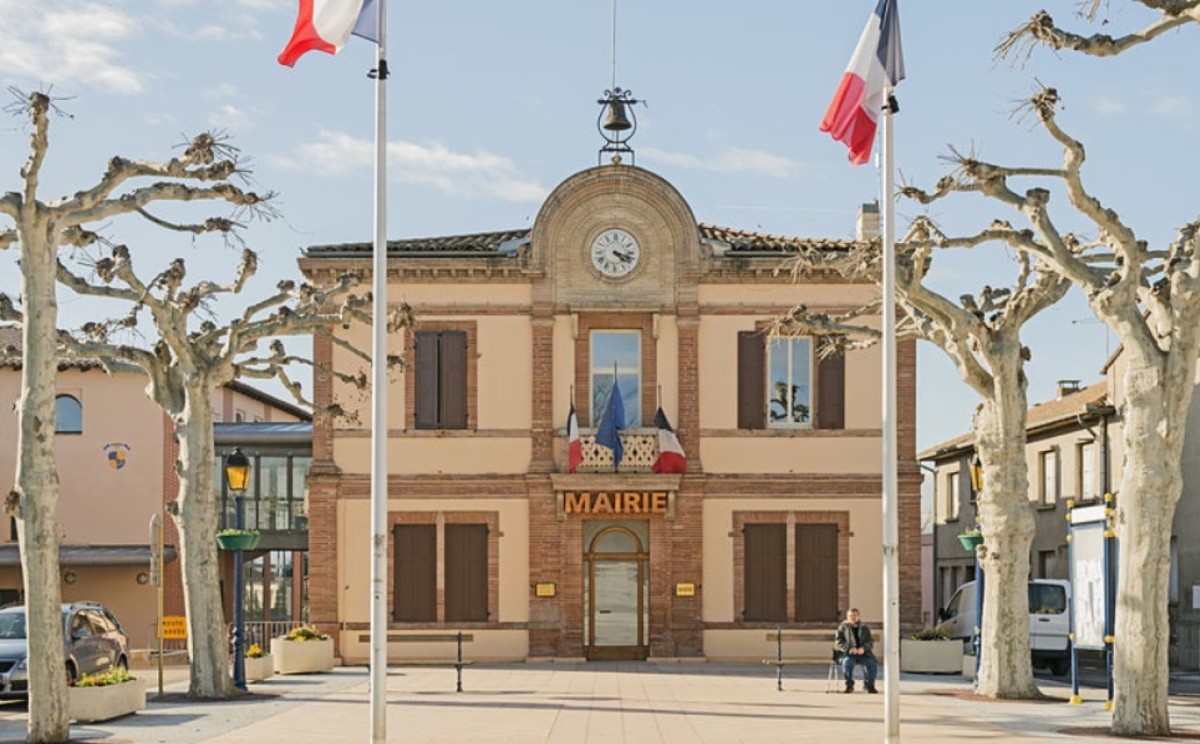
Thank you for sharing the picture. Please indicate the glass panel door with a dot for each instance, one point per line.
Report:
(616, 584)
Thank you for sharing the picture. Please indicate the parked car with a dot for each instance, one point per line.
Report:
(1049, 622)
(92, 638)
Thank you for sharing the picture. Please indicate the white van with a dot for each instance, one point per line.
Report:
(1049, 623)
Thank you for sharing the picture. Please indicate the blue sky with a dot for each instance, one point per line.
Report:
(491, 104)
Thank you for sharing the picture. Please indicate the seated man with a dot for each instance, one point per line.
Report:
(854, 641)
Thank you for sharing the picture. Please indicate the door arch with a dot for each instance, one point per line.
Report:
(615, 592)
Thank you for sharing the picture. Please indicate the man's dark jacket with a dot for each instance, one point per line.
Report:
(844, 640)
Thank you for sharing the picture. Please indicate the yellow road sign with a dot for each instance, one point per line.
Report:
(174, 627)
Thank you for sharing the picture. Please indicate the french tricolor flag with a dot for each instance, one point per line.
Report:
(326, 26)
(574, 445)
(670, 454)
(877, 62)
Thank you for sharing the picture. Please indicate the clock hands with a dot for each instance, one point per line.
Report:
(625, 257)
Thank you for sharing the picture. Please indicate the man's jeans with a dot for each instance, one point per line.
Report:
(868, 661)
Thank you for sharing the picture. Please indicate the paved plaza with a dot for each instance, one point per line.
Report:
(639, 703)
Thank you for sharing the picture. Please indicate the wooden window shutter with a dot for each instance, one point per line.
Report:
(425, 361)
(414, 595)
(752, 380)
(831, 391)
(452, 380)
(466, 572)
(765, 571)
(816, 572)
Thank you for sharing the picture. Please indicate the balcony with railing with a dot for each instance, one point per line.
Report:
(641, 450)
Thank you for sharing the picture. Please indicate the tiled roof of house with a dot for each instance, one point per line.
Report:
(1066, 408)
(504, 242)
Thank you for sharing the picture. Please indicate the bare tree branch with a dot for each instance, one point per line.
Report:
(1020, 43)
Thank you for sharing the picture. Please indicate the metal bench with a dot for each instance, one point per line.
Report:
(458, 639)
(780, 636)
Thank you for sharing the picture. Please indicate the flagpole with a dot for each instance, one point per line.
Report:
(891, 529)
(379, 421)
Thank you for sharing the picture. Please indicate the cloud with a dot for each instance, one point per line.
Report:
(74, 42)
(478, 175)
(228, 116)
(1108, 107)
(1172, 106)
(731, 160)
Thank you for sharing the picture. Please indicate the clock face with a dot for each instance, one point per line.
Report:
(615, 253)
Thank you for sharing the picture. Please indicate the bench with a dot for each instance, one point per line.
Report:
(779, 637)
(458, 639)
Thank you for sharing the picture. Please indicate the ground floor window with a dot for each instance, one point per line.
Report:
(442, 568)
(790, 566)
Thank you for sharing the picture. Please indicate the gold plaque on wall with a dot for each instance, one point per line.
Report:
(545, 590)
(685, 590)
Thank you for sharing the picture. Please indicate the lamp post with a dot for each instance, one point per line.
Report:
(976, 470)
(237, 478)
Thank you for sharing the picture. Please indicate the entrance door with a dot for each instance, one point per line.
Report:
(615, 595)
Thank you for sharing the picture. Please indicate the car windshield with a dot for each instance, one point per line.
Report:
(12, 626)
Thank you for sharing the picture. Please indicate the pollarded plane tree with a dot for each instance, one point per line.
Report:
(190, 361)
(1151, 300)
(981, 336)
(41, 230)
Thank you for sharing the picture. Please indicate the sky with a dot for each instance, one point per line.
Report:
(492, 104)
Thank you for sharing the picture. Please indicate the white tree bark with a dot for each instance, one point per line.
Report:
(37, 485)
(981, 336)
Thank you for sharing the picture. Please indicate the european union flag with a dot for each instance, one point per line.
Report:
(611, 422)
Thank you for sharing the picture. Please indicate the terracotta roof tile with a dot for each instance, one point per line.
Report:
(744, 240)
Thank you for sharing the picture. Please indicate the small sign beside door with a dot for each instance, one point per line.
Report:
(685, 590)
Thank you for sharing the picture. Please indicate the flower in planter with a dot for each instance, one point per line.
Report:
(231, 532)
(306, 633)
(114, 676)
(255, 652)
(930, 634)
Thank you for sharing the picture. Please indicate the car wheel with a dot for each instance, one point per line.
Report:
(123, 664)
(72, 675)
(1060, 667)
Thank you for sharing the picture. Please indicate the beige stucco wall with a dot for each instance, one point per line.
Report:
(98, 504)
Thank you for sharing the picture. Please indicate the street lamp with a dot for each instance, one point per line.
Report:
(237, 478)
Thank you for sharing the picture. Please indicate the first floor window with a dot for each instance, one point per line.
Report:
(1048, 465)
(68, 415)
(951, 494)
(1085, 453)
(783, 383)
(617, 357)
(440, 380)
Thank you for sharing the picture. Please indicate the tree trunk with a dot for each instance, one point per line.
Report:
(1150, 488)
(197, 521)
(37, 485)
(1007, 524)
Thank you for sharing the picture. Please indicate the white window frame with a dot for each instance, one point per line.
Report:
(1087, 485)
(952, 491)
(1048, 481)
(786, 345)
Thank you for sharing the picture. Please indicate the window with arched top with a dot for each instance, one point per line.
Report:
(68, 415)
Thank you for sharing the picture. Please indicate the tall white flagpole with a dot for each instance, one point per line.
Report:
(379, 421)
(891, 510)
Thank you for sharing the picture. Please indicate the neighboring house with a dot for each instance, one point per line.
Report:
(777, 521)
(1069, 449)
(115, 453)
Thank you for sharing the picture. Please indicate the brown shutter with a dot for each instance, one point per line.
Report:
(765, 570)
(466, 572)
(752, 380)
(452, 380)
(831, 391)
(425, 413)
(816, 572)
(414, 596)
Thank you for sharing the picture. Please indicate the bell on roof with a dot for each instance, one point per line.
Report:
(617, 122)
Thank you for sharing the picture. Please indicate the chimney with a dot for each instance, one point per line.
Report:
(1067, 387)
(868, 222)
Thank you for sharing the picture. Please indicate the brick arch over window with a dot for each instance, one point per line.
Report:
(797, 604)
(643, 322)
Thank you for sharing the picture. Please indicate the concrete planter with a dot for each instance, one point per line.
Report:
(302, 657)
(259, 669)
(968, 666)
(931, 657)
(91, 704)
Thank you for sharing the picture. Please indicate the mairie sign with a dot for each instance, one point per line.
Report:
(616, 502)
